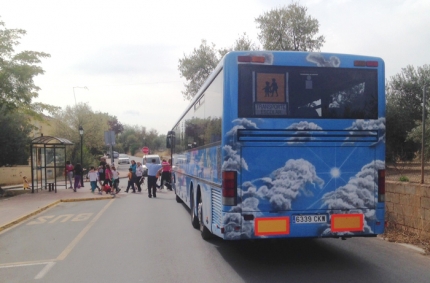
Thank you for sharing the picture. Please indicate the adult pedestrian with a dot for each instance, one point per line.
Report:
(166, 175)
(133, 167)
(69, 173)
(152, 179)
(78, 174)
(138, 176)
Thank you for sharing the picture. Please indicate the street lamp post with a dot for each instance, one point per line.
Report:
(423, 135)
(81, 132)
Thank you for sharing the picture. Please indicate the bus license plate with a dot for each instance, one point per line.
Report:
(310, 218)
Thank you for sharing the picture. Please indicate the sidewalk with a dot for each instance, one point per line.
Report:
(19, 208)
(16, 209)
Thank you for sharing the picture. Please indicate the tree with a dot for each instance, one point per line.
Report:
(14, 138)
(115, 125)
(196, 67)
(289, 28)
(17, 71)
(243, 43)
(404, 112)
(94, 125)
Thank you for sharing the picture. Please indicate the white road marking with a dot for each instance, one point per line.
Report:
(44, 270)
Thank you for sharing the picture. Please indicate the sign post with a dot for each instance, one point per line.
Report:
(110, 141)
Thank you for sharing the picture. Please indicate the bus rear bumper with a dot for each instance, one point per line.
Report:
(317, 225)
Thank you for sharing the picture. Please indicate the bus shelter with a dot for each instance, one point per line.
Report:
(48, 161)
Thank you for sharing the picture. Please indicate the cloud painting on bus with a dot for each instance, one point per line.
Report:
(328, 182)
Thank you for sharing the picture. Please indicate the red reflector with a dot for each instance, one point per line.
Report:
(243, 58)
(372, 63)
(359, 63)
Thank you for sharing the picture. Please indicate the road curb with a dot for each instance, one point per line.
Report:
(25, 217)
(37, 211)
(85, 199)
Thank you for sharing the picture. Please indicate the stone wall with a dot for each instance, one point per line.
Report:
(408, 207)
(13, 175)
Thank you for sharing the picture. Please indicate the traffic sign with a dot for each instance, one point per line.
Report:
(145, 150)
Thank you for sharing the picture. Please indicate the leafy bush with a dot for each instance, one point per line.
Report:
(403, 179)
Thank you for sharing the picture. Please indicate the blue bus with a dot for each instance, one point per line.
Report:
(281, 144)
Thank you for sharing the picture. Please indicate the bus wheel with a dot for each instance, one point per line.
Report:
(194, 218)
(204, 231)
(178, 199)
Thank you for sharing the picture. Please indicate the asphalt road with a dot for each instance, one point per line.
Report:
(136, 239)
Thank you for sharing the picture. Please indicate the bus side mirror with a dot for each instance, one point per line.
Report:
(170, 139)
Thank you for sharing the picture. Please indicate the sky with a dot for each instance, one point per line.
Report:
(126, 53)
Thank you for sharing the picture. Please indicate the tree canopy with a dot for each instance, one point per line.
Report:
(14, 138)
(286, 28)
(196, 67)
(17, 71)
(242, 43)
(404, 112)
(289, 28)
(17, 91)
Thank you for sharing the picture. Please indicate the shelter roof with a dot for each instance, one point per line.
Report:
(50, 140)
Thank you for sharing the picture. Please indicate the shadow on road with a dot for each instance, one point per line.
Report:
(294, 260)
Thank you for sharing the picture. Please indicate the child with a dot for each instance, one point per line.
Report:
(92, 175)
(108, 176)
(106, 188)
(130, 181)
(115, 179)
(25, 183)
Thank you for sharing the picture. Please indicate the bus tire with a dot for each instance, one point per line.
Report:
(204, 231)
(194, 218)
(178, 199)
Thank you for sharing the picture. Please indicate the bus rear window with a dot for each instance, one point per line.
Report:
(307, 92)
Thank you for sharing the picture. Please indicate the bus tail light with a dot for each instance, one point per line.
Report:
(229, 187)
(361, 63)
(381, 185)
(251, 59)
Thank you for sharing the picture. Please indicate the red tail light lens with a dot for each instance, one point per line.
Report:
(372, 63)
(359, 63)
(251, 59)
(362, 63)
(381, 185)
(229, 187)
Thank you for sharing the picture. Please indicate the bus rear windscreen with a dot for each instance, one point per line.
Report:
(307, 92)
